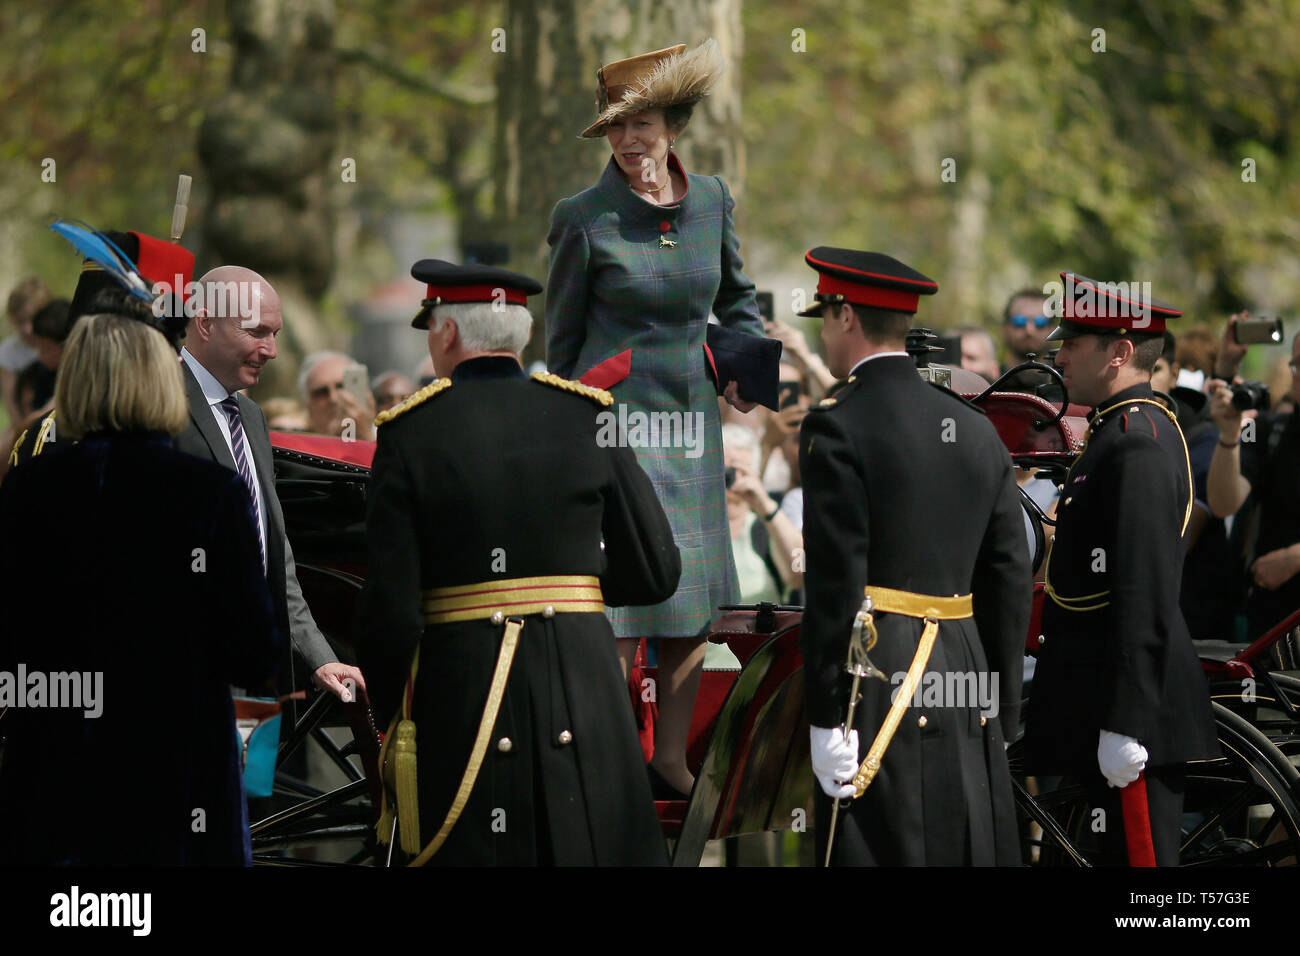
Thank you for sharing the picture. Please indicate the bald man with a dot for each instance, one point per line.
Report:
(228, 342)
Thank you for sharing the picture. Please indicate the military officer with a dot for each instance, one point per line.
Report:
(1119, 700)
(915, 539)
(500, 524)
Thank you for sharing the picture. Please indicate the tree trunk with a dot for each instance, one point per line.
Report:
(546, 87)
(267, 146)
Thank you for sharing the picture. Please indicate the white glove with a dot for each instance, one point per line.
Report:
(835, 760)
(1120, 758)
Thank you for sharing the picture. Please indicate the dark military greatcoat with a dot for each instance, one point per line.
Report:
(498, 477)
(908, 487)
(1116, 654)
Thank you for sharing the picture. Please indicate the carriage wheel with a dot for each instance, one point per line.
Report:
(1271, 703)
(1242, 809)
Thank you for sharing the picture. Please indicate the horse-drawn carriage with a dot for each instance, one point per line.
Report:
(749, 742)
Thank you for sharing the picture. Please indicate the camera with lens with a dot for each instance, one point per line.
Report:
(1250, 395)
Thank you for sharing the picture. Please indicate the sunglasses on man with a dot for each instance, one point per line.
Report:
(1020, 321)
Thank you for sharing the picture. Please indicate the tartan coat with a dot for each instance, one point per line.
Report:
(614, 286)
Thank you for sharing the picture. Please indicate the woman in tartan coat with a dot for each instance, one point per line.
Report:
(638, 262)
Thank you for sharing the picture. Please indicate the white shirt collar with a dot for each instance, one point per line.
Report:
(213, 390)
(854, 370)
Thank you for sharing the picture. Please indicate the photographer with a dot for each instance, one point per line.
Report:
(1260, 461)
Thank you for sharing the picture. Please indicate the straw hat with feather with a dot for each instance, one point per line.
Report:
(667, 77)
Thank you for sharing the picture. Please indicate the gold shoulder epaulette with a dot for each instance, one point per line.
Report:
(568, 385)
(416, 398)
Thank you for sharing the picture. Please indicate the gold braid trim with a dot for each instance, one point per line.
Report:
(13, 452)
(423, 395)
(553, 380)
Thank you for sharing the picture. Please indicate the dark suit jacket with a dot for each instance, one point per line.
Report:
(203, 439)
(109, 578)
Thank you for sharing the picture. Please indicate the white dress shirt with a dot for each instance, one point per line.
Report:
(216, 393)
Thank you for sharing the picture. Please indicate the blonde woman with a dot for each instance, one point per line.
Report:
(134, 568)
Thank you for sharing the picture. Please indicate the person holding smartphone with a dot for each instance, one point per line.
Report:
(336, 390)
(1262, 460)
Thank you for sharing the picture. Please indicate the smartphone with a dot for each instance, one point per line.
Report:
(787, 395)
(1257, 331)
(729, 476)
(356, 382)
(766, 305)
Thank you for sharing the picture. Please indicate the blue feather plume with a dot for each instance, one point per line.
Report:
(101, 250)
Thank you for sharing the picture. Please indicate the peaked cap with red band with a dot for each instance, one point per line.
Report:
(865, 278)
(1096, 308)
(450, 284)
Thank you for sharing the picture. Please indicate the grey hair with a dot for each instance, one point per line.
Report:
(310, 362)
(486, 326)
(735, 435)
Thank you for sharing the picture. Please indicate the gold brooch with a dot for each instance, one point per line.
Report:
(666, 243)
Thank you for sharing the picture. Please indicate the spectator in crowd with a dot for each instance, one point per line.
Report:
(390, 388)
(331, 409)
(763, 538)
(1025, 327)
(285, 415)
(1210, 594)
(424, 373)
(50, 327)
(103, 587)
(18, 351)
(781, 428)
(1261, 461)
(978, 353)
(795, 350)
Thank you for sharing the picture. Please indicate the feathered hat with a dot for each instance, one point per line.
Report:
(668, 77)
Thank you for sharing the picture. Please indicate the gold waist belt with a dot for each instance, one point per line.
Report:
(919, 605)
(514, 597)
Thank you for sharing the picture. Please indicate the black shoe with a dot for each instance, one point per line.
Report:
(660, 788)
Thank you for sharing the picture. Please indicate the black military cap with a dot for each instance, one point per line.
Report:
(751, 361)
(1090, 307)
(866, 278)
(450, 284)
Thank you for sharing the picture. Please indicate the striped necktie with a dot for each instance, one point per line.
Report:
(239, 447)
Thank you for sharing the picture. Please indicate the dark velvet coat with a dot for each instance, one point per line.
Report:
(124, 556)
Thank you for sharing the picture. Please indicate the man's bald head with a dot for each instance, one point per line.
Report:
(237, 292)
(232, 331)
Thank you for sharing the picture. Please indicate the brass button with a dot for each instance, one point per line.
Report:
(548, 611)
(565, 737)
(853, 378)
(921, 721)
(826, 402)
(984, 721)
(504, 745)
(1068, 500)
(1041, 640)
(497, 617)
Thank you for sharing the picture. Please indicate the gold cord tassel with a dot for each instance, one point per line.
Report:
(408, 794)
